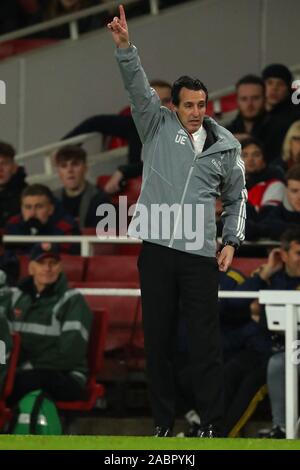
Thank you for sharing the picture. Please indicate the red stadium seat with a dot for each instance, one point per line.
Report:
(124, 319)
(95, 362)
(247, 265)
(74, 267)
(120, 269)
(5, 412)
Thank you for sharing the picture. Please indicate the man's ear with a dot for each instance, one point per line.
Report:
(31, 268)
(284, 255)
(15, 168)
(51, 209)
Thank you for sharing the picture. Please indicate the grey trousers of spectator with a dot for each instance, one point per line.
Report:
(276, 387)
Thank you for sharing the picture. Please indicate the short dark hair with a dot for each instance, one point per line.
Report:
(160, 83)
(290, 235)
(253, 141)
(250, 80)
(7, 150)
(293, 173)
(70, 152)
(187, 82)
(38, 190)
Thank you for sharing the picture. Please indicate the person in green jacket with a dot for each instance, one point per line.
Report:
(54, 322)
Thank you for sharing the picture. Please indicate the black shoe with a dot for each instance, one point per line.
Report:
(162, 431)
(275, 433)
(208, 431)
(193, 431)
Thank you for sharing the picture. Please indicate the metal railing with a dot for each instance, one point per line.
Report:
(47, 152)
(72, 19)
(86, 241)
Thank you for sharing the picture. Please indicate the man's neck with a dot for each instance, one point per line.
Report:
(289, 272)
(39, 287)
(73, 192)
(248, 124)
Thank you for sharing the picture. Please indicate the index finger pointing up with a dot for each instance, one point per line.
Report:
(122, 15)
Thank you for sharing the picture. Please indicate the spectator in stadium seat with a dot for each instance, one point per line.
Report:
(54, 323)
(12, 183)
(284, 215)
(281, 112)
(291, 147)
(124, 127)
(264, 184)
(250, 91)
(40, 215)
(79, 198)
(281, 272)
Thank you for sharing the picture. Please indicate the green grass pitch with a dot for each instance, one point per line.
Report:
(140, 443)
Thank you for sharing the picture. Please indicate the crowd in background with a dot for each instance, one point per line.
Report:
(267, 124)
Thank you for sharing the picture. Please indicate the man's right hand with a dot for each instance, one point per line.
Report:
(119, 29)
(273, 265)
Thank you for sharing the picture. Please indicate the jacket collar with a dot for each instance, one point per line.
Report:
(219, 138)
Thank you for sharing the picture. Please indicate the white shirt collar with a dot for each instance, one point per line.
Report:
(200, 133)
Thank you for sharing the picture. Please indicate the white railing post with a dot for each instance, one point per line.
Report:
(48, 165)
(73, 28)
(21, 105)
(2, 92)
(291, 373)
(154, 9)
(282, 315)
(85, 247)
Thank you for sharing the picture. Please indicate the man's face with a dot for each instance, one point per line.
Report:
(164, 94)
(293, 194)
(295, 148)
(191, 108)
(253, 159)
(38, 207)
(45, 272)
(291, 258)
(276, 91)
(7, 169)
(72, 174)
(251, 100)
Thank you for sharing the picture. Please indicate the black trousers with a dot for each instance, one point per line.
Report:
(173, 280)
(58, 385)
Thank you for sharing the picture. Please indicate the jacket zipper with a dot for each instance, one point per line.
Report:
(184, 191)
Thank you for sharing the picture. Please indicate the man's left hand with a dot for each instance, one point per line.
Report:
(225, 257)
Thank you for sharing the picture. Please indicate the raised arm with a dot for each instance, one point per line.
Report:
(145, 103)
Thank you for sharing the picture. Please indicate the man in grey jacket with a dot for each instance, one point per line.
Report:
(189, 160)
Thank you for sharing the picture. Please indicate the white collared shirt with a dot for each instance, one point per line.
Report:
(199, 138)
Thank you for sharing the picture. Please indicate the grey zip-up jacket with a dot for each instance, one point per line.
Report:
(176, 207)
